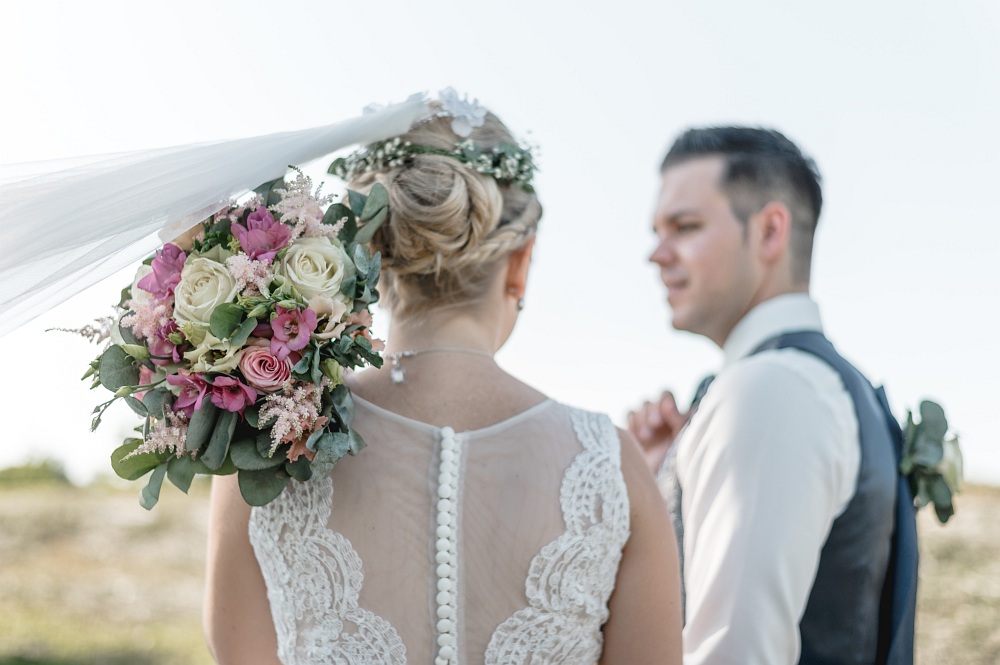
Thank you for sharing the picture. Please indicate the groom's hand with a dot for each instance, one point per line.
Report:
(655, 425)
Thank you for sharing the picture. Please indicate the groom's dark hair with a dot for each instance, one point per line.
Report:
(761, 165)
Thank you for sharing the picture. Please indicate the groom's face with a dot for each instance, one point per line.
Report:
(702, 251)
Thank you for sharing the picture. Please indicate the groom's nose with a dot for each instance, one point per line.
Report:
(663, 254)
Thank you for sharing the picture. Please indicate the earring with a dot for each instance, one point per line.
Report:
(520, 304)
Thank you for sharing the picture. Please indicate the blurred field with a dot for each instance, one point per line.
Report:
(89, 577)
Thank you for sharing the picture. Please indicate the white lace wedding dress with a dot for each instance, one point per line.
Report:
(499, 545)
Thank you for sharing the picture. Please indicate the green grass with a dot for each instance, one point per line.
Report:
(87, 577)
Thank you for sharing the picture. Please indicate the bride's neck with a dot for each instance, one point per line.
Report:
(465, 330)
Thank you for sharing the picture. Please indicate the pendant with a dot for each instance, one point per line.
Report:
(396, 373)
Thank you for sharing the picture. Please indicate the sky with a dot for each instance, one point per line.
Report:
(898, 102)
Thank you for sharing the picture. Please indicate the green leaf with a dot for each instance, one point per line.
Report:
(343, 403)
(151, 492)
(137, 466)
(227, 468)
(157, 402)
(226, 319)
(201, 426)
(180, 471)
(246, 457)
(356, 443)
(927, 449)
(126, 333)
(378, 200)
(361, 258)
(300, 469)
(243, 332)
(137, 406)
(357, 201)
(252, 416)
(222, 434)
(263, 442)
(117, 369)
(260, 487)
(932, 420)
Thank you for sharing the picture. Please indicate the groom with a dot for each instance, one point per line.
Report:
(797, 534)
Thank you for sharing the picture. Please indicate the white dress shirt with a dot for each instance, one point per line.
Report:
(768, 461)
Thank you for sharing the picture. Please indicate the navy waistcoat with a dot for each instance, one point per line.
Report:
(862, 605)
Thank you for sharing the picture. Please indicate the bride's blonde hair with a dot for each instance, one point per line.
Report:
(449, 227)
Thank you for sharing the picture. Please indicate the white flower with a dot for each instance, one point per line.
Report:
(315, 267)
(205, 284)
(466, 115)
(330, 312)
(212, 354)
(141, 295)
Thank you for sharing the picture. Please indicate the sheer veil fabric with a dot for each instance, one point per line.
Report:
(66, 225)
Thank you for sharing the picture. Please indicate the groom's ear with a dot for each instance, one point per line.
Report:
(517, 268)
(772, 228)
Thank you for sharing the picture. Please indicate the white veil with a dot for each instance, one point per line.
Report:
(66, 225)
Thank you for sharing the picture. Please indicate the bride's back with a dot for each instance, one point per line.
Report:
(501, 542)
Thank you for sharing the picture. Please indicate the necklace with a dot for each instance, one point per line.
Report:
(396, 372)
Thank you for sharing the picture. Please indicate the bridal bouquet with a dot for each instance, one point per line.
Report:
(231, 351)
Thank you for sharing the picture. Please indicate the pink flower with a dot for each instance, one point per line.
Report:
(263, 236)
(146, 377)
(229, 394)
(263, 370)
(166, 273)
(299, 445)
(291, 330)
(161, 345)
(193, 388)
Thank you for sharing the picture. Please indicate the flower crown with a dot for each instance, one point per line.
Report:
(507, 163)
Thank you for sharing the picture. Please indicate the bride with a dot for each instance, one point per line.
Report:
(484, 522)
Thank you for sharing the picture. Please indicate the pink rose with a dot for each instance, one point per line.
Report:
(263, 370)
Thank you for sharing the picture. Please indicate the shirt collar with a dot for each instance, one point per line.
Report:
(790, 312)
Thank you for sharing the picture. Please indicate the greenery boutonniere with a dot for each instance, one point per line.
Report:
(932, 460)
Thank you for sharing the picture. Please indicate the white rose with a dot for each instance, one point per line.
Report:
(205, 284)
(315, 267)
(141, 295)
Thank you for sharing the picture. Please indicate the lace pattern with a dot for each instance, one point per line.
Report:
(571, 579)
(314, 575)
(314, 578)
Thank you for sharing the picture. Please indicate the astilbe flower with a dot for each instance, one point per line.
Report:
(166, 436)
(262, 236)
(148, 317)
(303, 209)
(252, 276)
(296, 412)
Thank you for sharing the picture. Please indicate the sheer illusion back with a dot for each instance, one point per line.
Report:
(498, 545)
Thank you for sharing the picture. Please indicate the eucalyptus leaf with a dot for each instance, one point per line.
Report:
(356, 443)
(226, 319)
(136, 406)
(180, 471)
(260, 487)
(932, 420)
(246, 457)
(126, 333)
(117, 369)
(151, 492)
(357, 201)
(136, 466)
(343, 403)
(157, 402)
(377, 201)
(218, 444)
(243, 332)
(264, 443)
(300, 469)
(367, 232)
(227, 468)
(252, 415)
(927, 450)
(201, 426)
(361, 257)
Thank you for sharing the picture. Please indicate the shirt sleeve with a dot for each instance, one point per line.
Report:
(768, 462)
